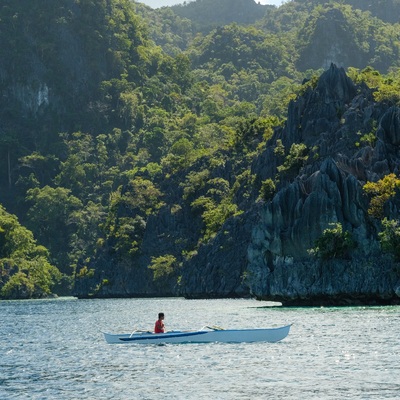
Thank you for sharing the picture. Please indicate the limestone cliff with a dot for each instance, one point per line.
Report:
(277, 235)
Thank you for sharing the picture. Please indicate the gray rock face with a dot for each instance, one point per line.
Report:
(373, 282)
(218, 270)
(279, 265)
(389, 129)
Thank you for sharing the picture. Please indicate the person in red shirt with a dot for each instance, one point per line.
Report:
(159, 326)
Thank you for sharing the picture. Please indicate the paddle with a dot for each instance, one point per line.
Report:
(139, 331)
(215, 328)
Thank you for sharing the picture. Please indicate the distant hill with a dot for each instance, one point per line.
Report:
(207, 14)
(314, 33)
(347, 37)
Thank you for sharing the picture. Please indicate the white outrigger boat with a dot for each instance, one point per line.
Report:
(207, 334)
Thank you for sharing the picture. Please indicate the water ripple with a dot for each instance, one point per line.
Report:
(54, 349)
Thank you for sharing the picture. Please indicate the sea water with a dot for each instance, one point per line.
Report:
(54, 349)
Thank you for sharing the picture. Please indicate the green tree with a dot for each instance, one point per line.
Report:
(87, 235)
(390, 237)
(268, 189)
(127, 215)
(181, 156)
(334, 243)
(216, 207)
(25, 269)
(296, 159)
(381, 192)
(163, 266)
(142, 196)
(49, 217)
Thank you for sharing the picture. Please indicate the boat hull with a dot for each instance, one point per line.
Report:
(202, 336)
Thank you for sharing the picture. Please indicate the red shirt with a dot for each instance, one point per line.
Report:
(159, 326)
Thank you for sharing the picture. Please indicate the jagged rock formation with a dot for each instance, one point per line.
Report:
(327, 190)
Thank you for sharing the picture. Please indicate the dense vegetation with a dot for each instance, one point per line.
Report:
(112, 113)
(23, 263)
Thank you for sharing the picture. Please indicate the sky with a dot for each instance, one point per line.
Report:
(162, 3)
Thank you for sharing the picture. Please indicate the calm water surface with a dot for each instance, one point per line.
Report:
(54, 349)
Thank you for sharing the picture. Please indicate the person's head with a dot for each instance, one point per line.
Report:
(161, 315)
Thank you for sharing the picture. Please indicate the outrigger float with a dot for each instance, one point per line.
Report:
(207, 334)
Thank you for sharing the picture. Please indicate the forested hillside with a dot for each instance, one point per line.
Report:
(138, 147)
(207, 14)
